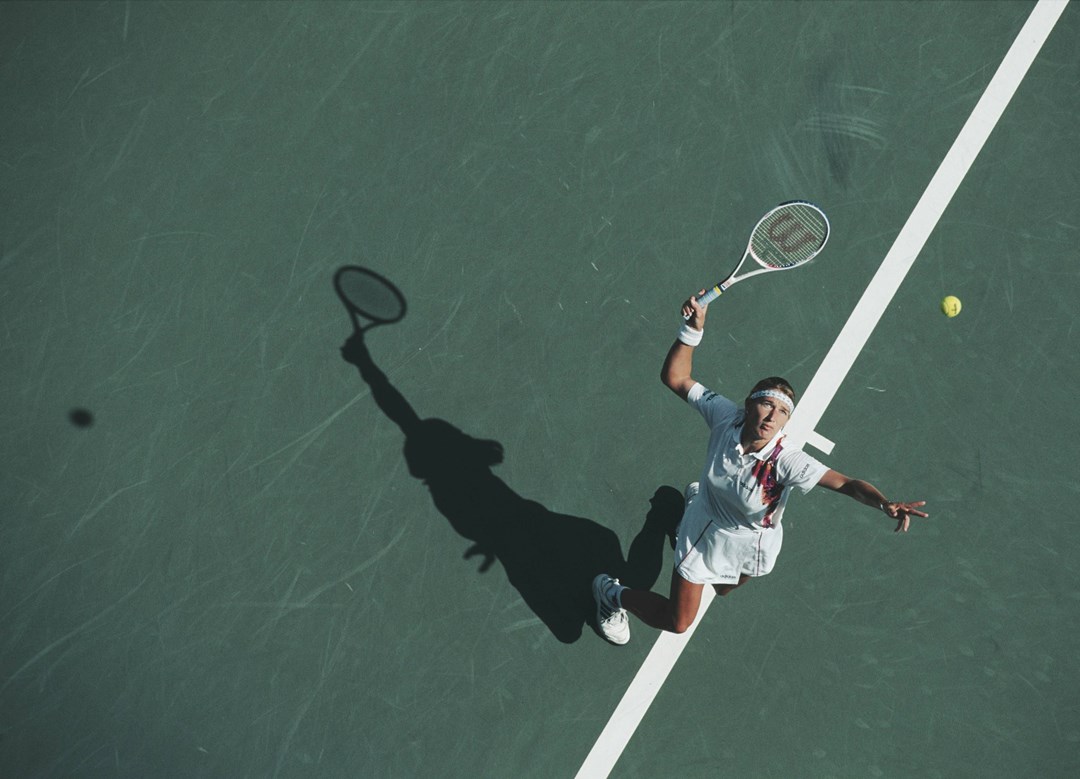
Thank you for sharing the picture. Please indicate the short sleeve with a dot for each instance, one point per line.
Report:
(795, 468)
(716, 409)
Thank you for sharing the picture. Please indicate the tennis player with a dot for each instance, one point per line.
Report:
(731, 527)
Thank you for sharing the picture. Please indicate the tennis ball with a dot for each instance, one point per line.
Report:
(950, 306)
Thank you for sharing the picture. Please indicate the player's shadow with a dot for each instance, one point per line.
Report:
(550, 558)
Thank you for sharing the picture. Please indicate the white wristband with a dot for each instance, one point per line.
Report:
(690, 336)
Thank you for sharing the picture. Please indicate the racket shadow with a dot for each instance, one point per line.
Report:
(548, 557)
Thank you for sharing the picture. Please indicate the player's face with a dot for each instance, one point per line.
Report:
(765, 417)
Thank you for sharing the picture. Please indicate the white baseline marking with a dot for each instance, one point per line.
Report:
(837, 363)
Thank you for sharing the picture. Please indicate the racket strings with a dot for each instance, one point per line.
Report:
(789, 236)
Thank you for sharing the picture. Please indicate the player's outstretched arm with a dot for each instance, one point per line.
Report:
(869, 495)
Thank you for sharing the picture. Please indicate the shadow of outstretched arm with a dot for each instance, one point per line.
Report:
(387, 397)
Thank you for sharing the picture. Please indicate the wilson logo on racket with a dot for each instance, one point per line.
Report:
(790, 236)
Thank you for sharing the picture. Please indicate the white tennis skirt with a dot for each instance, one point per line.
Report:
(706, 553)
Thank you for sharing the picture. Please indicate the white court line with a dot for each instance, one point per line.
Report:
(814, 438)
(837, 363)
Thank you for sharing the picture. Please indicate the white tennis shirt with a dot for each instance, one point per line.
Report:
(733, 525)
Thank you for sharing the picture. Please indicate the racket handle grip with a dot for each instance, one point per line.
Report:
(710, 295)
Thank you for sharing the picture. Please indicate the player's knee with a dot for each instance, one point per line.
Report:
(681, 625)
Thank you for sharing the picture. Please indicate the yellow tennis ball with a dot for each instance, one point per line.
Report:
(950, 306)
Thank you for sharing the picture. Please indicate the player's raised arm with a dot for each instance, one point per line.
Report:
(679, 361)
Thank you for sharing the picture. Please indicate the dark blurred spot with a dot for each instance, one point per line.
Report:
(80, 417)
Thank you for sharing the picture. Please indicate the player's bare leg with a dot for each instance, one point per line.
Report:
(675, 613)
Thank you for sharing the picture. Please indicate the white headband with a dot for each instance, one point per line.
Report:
(768, 393)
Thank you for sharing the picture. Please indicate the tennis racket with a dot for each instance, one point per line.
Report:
(790, 235)
(369, 298)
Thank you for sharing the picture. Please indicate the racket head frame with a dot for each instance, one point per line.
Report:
(717, 290)
(373, 316)
(822, 226)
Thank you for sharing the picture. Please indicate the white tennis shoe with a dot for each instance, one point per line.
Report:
(612, 621)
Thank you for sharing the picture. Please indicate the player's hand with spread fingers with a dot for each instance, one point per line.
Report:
(902, 513)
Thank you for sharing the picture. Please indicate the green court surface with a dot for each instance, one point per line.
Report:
(247, 557)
